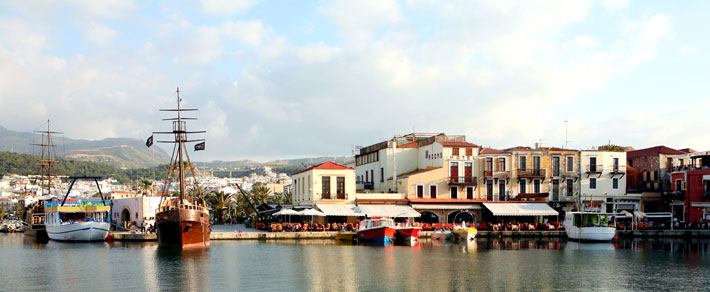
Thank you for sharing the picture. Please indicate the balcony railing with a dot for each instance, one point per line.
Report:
(365, 185)
(498, 197)
(331, 196)
(496, 174)
(673, 195)
(531, 172)
(619, 169)
(595, 168)
(533, 195)
(466, 180)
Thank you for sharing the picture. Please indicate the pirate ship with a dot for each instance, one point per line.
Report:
(182, 220)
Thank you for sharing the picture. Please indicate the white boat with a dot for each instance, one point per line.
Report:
(465, 233)
(74, 219)
(589, 226)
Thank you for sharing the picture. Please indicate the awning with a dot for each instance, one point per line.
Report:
(388, 211)
(520, 209)
(338, 209)
(700, 205)
(446, 206)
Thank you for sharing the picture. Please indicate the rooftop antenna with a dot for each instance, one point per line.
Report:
(566, 137)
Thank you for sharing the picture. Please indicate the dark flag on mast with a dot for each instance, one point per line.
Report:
(200, 146)
(149, 142)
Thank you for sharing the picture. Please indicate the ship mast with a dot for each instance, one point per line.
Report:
(46, 161)
(180, 133)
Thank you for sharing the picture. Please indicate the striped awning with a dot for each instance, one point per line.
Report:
(446, 206)
(520, 209)
(338, 209)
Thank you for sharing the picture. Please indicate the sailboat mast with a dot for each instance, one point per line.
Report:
(180, 140)
(49, 161)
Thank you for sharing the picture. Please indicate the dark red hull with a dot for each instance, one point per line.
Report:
(183, 228)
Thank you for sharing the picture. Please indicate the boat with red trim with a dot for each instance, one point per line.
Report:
(376, 230)
(407, 234)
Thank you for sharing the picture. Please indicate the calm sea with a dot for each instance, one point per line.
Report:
(486, 265)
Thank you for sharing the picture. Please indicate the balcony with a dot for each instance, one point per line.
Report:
(673, 196)
(365, 185)
(533, 196)
(496, 174)
(569, 173)
(531, 172)
(498, 197)
(618, 169)
(595, 168)
(462, 180)
(330, 196)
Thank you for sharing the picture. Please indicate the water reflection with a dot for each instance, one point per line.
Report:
(182, 270)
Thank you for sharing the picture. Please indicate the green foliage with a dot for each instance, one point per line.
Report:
(25, 164)
(610, 147)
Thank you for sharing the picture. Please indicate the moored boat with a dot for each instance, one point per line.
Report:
(464, 233)
(184, 221)
(407, 234)
(589, 226)
(441, 235)
(76, 219)
(346, 236)
(376, 230)
(34, 216)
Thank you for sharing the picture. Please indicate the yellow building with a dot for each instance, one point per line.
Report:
(529, 174)
(328, 181)
(494, 175)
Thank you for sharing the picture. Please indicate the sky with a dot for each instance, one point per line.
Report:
(289, 79)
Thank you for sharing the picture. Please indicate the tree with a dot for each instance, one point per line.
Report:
(221, 203)
(610, 147)
(145, 184)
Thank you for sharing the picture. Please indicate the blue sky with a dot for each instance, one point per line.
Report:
(283, 79)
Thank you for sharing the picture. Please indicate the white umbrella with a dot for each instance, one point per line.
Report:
(287, 212)
(311, 212)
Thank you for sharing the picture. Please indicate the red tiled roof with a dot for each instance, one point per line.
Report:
(630, 169)
(457, 144)
(492, 151)
(653, 151)
(326, 165)
(687, 150)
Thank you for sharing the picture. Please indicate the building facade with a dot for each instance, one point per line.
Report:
(602, 183)
(329, 181)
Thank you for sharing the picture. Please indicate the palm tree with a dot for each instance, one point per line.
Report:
(260, 192)
(221, 203)
(145, 184)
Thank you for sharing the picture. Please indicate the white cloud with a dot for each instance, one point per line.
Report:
(688, 48)
(226, 6)
(250, 32)
(615, 4)
(99, 34)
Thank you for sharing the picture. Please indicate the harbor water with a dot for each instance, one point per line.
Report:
(322, 265)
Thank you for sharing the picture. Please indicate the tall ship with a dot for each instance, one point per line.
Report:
(589, 226)
(182, 221)
(78, 219)
(33, 217)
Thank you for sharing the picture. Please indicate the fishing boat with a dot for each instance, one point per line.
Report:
(589, 226)
(78, 219)
(33, 217)
(376, 230)
(407, 234)
(182, 221)
(464, 233)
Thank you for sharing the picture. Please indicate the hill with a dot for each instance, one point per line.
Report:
(118, 152)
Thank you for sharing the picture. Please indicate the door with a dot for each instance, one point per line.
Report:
(555, 190)
(555, 166)
(536, 165)
(454, 192)
(469, 193)
(501, 190)
(489, 190)
(468, 172)
(432, 191)
(592, 164)
(454, 172)
(420, 191)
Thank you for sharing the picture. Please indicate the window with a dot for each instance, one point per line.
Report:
(631, 182)
(523, 187)
(536, 186)
(556, 166)
(372, 174)
(489, 190)
(489, 164)
(432, 191)
(420, 191)
(592, 164)
(593, 183)
(341, 187)
(469, 151)
(326, 187)
(455, 151)
(523, 163)
(367, 176)
(616, 164)
(382, 174)
(501, 190)
(469, 193)
(615, 183)
(454, 192)
(501, 164)
(426, 154)
(570, 163)
(570, 187)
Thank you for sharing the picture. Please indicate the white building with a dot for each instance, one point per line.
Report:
(135, 211)
(603, 182)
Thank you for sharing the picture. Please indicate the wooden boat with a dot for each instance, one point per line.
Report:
(346, 236)
(33, 221)
(182, 222)
(589, 226)
(376, 230)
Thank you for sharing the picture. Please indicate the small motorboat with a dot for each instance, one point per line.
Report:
(442, 235)
(346, 236)
(465, 233)
(407, 234)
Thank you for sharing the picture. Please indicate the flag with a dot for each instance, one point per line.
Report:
(149, 142)
(200, 146)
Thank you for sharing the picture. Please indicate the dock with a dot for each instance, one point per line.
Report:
(695, 233)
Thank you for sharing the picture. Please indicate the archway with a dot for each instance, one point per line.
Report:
(429, 217)
(125, 217)
(461, 216)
